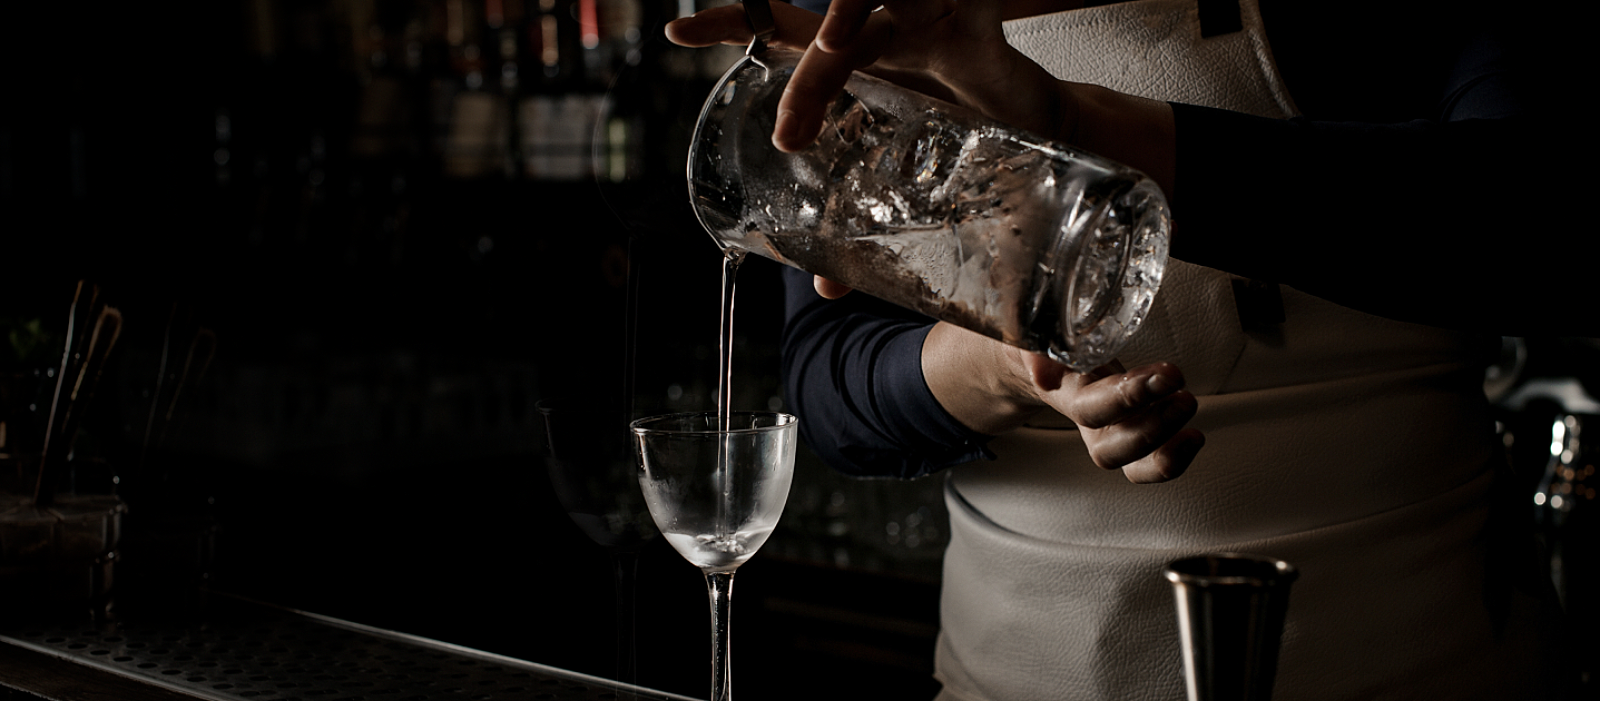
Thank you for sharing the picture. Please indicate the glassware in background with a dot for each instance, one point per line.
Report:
(56, 561)
(60, 516)
(592, 469)
(591, 466)
(716, 487)
(937, 209)
(1230, 617)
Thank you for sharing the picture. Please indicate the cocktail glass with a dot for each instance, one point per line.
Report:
(715, 487)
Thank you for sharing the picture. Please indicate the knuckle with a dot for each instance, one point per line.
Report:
(1104, 461)
(1088, 415)
(1152, 469)
(1129, 395)
(1100, 451)
(1151, 435)
(1181, 407)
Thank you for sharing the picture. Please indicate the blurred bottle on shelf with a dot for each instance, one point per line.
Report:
(544, 90)
(478, 141)
(587, 121)
(388, 62)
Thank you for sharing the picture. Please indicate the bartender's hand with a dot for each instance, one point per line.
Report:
(954, 50)
(1132, 420)
(950, 49)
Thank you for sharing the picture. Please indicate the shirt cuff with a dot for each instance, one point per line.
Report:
(926, 427)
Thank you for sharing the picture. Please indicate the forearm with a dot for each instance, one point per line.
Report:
(981, 382)
(853, 376)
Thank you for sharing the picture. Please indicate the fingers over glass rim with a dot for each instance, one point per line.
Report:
(816, 82)
(794, 27)
(843, 23)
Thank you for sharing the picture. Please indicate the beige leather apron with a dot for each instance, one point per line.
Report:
(1355, 447)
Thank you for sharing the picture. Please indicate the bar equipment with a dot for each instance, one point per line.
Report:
(1231, 608)
(59, 530)
(59, 560)
(935, 208)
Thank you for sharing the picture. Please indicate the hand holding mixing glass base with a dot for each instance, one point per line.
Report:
(1133, 420)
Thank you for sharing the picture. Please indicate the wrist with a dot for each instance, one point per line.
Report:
(979, 381)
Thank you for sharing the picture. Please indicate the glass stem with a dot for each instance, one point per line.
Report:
(720, 585)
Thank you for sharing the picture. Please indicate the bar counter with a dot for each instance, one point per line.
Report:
(244, 650)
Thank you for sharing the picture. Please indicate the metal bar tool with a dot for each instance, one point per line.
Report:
(1230, 616)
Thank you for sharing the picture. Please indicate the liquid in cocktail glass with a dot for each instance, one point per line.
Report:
(716, 494)
(716, 483)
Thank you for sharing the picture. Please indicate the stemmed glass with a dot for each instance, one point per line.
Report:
(590, 465)
(715, 487)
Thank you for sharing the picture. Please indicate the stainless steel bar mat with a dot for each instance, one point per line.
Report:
(249, 651)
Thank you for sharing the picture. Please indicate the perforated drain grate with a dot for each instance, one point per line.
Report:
(263, 653)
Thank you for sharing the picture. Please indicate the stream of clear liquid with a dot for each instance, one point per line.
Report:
(731, 259)
(730, 269)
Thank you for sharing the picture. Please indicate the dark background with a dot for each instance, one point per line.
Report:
(364, 442)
